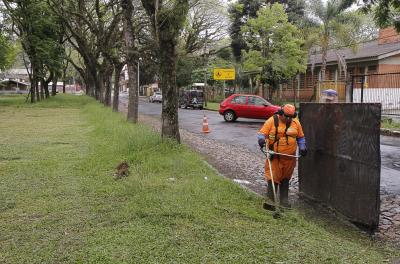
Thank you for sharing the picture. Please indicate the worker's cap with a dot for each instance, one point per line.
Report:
(330, 92)
(289, 110)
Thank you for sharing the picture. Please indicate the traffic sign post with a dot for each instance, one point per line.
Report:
(224, 74)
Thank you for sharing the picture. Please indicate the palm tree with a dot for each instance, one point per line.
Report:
(333, 26)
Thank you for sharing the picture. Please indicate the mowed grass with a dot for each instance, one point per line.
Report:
(59, 201)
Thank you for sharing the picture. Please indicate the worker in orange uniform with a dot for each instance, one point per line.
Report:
(282, 133)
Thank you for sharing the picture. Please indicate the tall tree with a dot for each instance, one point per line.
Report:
(207, 22)
(91, 26)
(242, 10)
(167, 18)
(275, 46)
(7, 51)
(334, 26)
(131, 58)
(386, 12)
(39, 31)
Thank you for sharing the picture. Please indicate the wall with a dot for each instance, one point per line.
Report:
(388, 35)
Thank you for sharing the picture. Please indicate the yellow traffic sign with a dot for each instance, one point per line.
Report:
(224, 74)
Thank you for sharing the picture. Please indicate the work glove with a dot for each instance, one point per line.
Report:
(271, 156)
(261, 140)
(303, 152)
(301, 142)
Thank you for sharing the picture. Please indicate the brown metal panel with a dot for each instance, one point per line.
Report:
(342, 168)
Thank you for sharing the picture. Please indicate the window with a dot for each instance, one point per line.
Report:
(361, 73)
(196, 94)
(257, 101)
(239, 100)
(372, 69)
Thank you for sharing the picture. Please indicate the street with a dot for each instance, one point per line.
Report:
(243, 132)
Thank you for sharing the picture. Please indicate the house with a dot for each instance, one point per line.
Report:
(20, 75)
(148, 90)
(379, 56)
(14, 86)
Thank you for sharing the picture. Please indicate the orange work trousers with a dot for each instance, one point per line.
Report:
(282, 168)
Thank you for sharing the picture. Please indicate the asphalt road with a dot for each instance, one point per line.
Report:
(244, 132)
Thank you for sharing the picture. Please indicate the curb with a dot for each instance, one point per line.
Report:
(208, 109)
(390, 133)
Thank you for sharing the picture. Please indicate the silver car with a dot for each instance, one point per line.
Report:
(156, 97)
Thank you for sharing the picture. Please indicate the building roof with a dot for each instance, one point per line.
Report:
(17, 71)
(370, 50)
(5, 81)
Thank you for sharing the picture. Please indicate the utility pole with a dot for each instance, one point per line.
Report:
(205, 69)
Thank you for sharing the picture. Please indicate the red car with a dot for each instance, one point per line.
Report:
(247, 106)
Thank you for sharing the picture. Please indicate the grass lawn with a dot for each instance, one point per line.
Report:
(212, 106)
(59, 202)
(390, 124)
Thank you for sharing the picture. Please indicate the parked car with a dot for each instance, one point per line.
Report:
(156, 97)
(191, 98)
(246, 106)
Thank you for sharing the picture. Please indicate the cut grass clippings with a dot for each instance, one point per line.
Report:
(59, 201)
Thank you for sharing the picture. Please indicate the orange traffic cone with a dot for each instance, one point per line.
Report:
(205, 125)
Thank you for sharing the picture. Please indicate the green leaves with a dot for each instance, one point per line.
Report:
(7, 52)
(40, 31)
(386, 12)
(275, 45)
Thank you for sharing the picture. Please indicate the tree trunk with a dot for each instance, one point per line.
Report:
(54, 87)
(43, 90)
(133, 102)
(33, 87)
(325, 47)
(117, 72)
(100, 87)
(37, 90)
(323, 65)
(89, 83)
(261, 89)
(45, 86)
(107, 84)
(323, 71)
(168, 56)
(166, 32)
(64, 79)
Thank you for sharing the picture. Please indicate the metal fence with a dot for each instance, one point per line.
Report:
(381, 88)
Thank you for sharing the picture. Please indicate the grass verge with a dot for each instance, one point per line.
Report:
(212, 106)
(390, 124)
(59, 202)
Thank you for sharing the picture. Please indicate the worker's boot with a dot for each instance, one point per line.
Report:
(284, 193)
(270, 202)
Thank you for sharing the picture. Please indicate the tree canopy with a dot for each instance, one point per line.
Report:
(274, 45)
